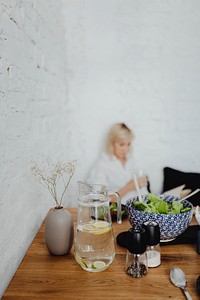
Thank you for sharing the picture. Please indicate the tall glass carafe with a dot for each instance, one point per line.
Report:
(94, 242)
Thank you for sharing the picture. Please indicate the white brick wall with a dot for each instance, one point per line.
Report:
(32, 119)
(132, 61)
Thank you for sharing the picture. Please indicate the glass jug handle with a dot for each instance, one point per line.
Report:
(119, 212)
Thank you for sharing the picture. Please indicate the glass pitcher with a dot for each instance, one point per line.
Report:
(94, 243)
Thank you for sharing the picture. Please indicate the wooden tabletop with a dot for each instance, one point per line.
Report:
(43, 276)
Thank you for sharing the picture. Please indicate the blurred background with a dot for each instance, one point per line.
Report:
(69, 69)
(135, 62)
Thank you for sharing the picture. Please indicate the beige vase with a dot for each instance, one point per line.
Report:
(59, 231)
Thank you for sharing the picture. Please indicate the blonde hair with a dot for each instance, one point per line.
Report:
(119, 132)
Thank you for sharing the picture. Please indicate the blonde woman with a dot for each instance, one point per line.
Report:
(116, 166)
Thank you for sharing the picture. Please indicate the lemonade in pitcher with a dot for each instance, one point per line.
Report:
(94, 243)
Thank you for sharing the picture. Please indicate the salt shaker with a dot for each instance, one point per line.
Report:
(136, 258)
(153, 243)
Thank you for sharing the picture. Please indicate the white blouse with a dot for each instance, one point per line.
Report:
(111, 172)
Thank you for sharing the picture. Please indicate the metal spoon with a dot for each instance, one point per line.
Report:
(178, 278)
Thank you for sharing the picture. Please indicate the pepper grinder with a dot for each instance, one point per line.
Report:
(153, 243)
(136, 258)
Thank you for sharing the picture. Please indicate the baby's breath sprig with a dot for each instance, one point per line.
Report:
(52, 175)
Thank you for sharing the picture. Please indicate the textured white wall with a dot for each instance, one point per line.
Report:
(32, 119)
(138, 62)
(131, 61)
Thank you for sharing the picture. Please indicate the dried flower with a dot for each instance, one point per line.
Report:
(51, 176)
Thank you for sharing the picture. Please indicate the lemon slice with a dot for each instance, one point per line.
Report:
(101, 231)
(98, 265)
(80, 262)
(101, 224)
(89, 227)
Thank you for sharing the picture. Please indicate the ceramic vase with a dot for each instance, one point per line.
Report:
(59, 231)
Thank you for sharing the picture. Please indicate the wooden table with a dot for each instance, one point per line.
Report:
(43, 276)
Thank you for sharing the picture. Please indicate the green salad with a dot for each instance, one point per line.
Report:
(113, 209)
(156, 205)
